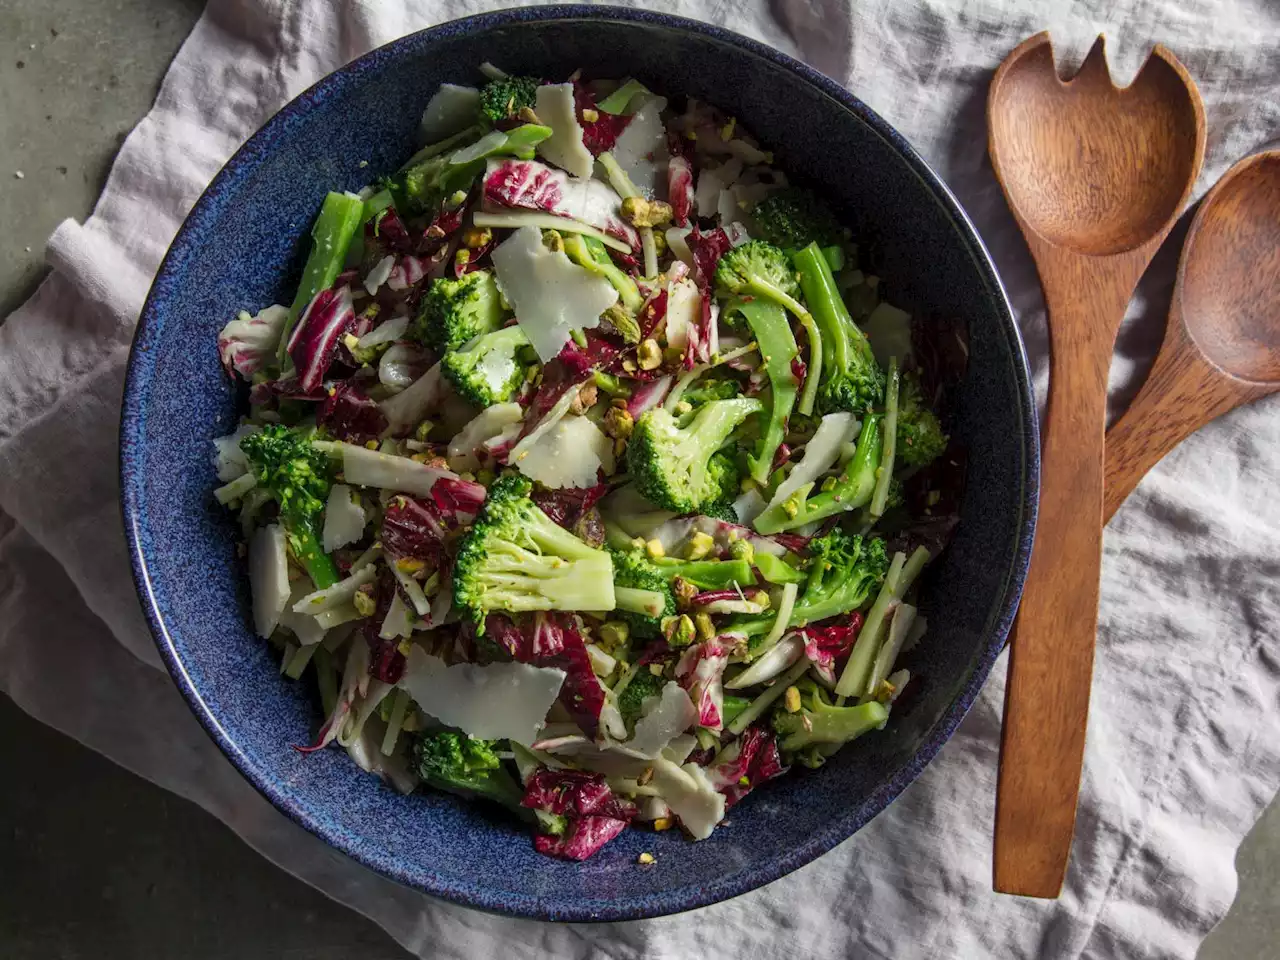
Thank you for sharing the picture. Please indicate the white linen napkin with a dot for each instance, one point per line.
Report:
(1184, 738)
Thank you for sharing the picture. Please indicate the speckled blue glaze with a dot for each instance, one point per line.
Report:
(243, 246)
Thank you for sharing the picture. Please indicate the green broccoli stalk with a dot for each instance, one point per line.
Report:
(771, 330)
(458, 764)
(852, 489)
(633, 570)
(455, 312)
(678, 468)
(340, 217)
(590, 253)
(487, 370)
(298, 477)
(759, 269)
(920, 436)
(709, 574)
(516, 558)
(504, 98)
(422, 187)
(852, 380)
(793, 217)
(844, 572)
(817, 722)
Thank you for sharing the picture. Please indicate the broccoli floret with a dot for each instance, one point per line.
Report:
(792, 217)
(298, 477)
(844, 573)
(721, 510)
(631, 568)
(704, 391)
(853, 488)
(920, 436)
(516, 558)
(590, 253)
(678, 468)
(488, 370)
(643, 685)
(817, 722)
(459, 764)
(851, 378)
(757, 268)
(501, 99)
(457, 311)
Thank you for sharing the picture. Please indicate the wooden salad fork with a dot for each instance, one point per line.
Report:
(1222, 345)
(1095, 176)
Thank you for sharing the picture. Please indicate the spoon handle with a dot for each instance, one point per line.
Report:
(1183, 393)
(1051, 661)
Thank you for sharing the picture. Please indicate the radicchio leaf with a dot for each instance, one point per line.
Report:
(680, 188)
(412, 528)
(350, 415)
(756, 760)
(701, 672)
(602, 133)
(315, 339)
(824, 645)
(593, 813)
(707, 249)
(530, 185)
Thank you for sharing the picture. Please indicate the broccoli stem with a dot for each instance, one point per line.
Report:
(837, 725)
(884, 472)
(814, 372)
(733, 707)
(305, 546)
(634, 600)
(840, 334)
(472, 133)
(776, 570)
(617, 101)
(853, 681)
(709, 574)
(762, 703)
(590, 253)
(853, 489)
(772, 332)
(340, 216)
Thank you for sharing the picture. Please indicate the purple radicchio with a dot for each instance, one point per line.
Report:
(350, 415)
(248, 344)
(530, 185)
(700, 672)
(745, 764)
(592, 814)
(315, 339)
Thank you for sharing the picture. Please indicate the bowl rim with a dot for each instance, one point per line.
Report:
(689, 897)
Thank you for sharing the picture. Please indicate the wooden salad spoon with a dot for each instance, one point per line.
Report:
(1095, 176)
(1222, 345)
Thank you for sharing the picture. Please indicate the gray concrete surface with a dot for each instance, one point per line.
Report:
(95, 862)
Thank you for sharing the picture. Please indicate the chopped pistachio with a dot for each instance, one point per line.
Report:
(640, 212)
(527, 115)
(585, 399)
(656, 668)
(552, 240)
(423, 430)
(649, 355)
(791, 700)
(618, 423)
(645, 859)
(364, 601)
(614, 633)
(706, 629)
(662, 823)
(654, 548)
(591, 116)
(476, 237)
(699, 546)
(742, 550)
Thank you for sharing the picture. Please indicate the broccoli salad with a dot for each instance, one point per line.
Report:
(587, 473)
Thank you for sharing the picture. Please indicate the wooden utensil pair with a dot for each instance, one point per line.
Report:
(1096, 177)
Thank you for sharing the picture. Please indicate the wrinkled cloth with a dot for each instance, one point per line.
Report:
(1184, 738)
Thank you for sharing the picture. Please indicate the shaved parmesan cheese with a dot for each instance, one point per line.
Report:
(228, 458)
(410, 406)
(335, 596)
(602, 663)
(684, 312)
(707, 194)
(305, 627)
(551, 294)
(388, 332)
(888, 329)
(727, 206)
(343, 518)
(666, 718)
(570, 454)
(690, 794)
(641, 149)
(398, 622)
(545, 425)
(498, 701)
(530, 185)
(377, 276)
(268, 578)
(451, 110)
(370, 468)
(555, 108)
(471, 438)
(678, 750)
(678, 243)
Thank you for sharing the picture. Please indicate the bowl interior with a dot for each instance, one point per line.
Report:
(243, 247)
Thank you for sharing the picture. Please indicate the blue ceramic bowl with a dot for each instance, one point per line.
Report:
(243, 247)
